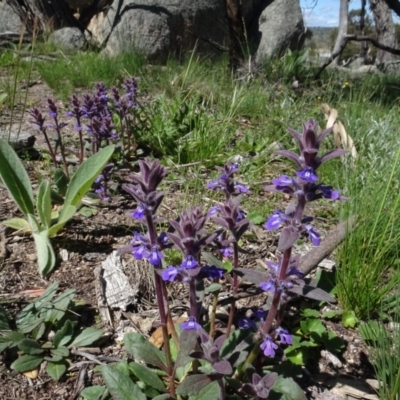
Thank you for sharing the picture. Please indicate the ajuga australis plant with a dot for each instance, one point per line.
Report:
(217, 360)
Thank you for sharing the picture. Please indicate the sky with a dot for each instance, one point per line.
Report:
(325, 12)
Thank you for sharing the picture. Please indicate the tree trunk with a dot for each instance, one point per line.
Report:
(40, 15)
(384, 29)
(343, 23)
(236, 33)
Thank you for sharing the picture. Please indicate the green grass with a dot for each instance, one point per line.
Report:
(384, 352)
(369, 257)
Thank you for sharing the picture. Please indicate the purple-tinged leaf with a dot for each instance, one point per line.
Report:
(287, 239)
(323, 135)
(251, 275)
(289, 154)
(193, 384)
(312, 292)
(221, 221)
(296, 135)
(223, 367)
(333, 154)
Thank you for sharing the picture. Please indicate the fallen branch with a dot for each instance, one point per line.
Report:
(333, 238)
(381, 46)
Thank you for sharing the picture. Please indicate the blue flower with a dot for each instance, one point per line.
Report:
(170, 274)
(189, 262)
(268, 286)
(259, 314)
(268, 347)
(284, 180)
(329, 193)
(313, 235)
(284, 335)
(275, 220)
(246, 323)
(226, 251)
(139, 251)
(155, 256)
(240, 188)
(213, 210)
(213, 272)
(307, 174)
(190, 324)
(139, 213)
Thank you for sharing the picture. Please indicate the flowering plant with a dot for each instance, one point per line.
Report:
(227, 354)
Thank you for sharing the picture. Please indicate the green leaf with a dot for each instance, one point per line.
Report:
(56, 198)
(19, 224)
(212, 260)
(16, 179)
(255, 217)
(349, 319)
(29, 346)
(87, 337)
(93, 392)
(61, 181)
(309, 312)
(30, 325)
(227, 265)
(84, 177)
(120, 385)
(286, 389)
(60, 305)
(54, 359)
(56, 369)
(43, 203)
(66, 214)
(312, 325)
(33, 223)
(297, 356)
(47, 296)
(64, 335)
(147, 376)
(211, 391)
(143, 350)
(60, 351)
(165, 396)
(4, 326)
(214, 287)
(38, 332)
(26, 363)
(45, 253)
(87, 211)
(193, 384)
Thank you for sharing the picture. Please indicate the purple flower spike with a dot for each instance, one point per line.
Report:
(214, 184)
(268, 286)
(268, 347)
(308, 175)
(313, 235)
(284, 335)
(259, 314)
(155, 256)
(169, 274)
(190, 324)
(329, 193)
(275, 220)
(189, 262)
(246, 323)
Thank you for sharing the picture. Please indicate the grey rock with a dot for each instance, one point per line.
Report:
(390, 67)
(68, 39)
(9, 20)
(281, 27)
(158, 29)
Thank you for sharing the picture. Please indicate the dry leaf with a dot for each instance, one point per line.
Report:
(157, 337)
(32, 292)
(341, 137)
(32, 374)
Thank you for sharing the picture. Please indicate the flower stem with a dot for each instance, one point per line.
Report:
(235, 287)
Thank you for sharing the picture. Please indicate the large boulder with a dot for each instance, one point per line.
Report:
(281, 27)
(9, 20)
(68, 39)
(158, 29)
